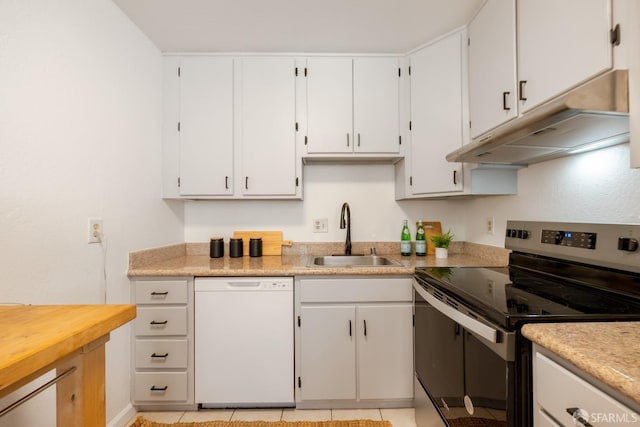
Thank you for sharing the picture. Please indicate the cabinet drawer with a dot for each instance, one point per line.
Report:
(161, 353)
(355, 290)
(164, 386)
(161, 321)
(162, 292)
(558, 389)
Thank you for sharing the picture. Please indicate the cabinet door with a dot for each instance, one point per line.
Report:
(206, 126)
(268, 116)
(329, 105)
(560, 44)
(436, 116)
(327, 352)
(492, 66)
(385, 356)
(376, 114)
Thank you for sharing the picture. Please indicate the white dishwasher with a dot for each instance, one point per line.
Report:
(244, 342)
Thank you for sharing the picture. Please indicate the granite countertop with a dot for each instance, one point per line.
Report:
(192, 259)
(608, 351)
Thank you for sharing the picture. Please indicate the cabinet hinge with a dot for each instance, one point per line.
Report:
(178, 126)
(306, 140)
(178, 182)
(400, 139)
(615, 35)
(297, 185)
(178, 71)
(298, 316)
(299, 383)
(411, 180)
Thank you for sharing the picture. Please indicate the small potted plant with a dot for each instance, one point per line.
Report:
(441, 243)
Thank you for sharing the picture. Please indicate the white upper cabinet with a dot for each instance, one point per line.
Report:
(492, 65)
(268, 127)
(560, 44)
(376, 87)
(206, 126)
(329, 105)
(352, 106)
(437, 115)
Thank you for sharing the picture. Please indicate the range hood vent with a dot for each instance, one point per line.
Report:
(591, 116)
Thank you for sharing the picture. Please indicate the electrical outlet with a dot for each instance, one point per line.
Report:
(321, 225)
(490, 225)
(95, 230)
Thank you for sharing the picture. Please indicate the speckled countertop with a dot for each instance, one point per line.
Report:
(608, 351)
(192, 259)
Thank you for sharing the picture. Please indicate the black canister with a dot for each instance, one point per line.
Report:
(235, 248)
(216, 247)
(255, 247)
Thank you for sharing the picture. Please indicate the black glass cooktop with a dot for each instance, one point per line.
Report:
(511, 296)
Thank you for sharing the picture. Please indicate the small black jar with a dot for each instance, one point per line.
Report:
(216, 247)
(255, 247)
(235, 248)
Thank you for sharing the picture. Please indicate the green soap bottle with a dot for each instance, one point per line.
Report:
(421, 243)
(405, 240)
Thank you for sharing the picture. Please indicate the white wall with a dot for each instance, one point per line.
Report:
(369, 190)
(80, 124)
(592, 187)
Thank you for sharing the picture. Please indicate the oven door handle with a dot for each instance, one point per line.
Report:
(485, 331)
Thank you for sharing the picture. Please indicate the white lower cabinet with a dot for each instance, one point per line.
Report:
(162, 360)
(564, 397)
(354, 342)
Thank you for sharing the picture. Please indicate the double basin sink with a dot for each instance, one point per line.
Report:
(345, 261)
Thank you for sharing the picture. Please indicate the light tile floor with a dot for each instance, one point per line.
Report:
(404, 417)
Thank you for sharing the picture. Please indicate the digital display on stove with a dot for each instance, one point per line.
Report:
(577, 239)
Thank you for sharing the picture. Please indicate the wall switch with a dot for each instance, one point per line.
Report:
(490, 225)
(95, 230)
(321, 225)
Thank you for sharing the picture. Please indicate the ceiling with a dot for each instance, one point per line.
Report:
(296, 26)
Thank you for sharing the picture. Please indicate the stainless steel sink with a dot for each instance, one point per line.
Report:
(353, 261)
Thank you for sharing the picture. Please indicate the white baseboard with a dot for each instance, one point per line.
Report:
(124, 417)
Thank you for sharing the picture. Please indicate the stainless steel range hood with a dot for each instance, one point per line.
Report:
(591, 116)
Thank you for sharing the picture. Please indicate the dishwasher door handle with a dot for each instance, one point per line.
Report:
(244, 285)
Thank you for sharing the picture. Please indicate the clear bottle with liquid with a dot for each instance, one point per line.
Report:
(421, 242)
(405, 240)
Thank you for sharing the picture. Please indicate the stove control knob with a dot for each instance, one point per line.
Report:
(525, 234)
(627, 244)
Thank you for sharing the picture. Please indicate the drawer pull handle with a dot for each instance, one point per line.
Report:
(154, 388)
(577, 415)
(162, 356)
(154, 322)
(163, 294)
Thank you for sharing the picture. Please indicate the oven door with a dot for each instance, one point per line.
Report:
(465, 365)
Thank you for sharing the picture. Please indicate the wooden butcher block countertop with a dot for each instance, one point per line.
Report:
(34, 337)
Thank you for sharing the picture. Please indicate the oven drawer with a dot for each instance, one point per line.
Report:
(559, 391)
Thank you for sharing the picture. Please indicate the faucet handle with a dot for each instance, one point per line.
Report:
(373, 250)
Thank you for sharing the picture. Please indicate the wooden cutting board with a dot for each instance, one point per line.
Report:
(431, 229)
(271, 241)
